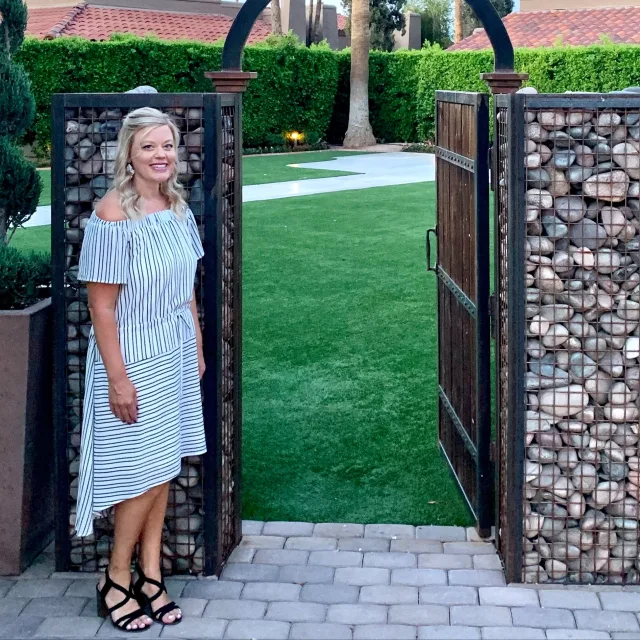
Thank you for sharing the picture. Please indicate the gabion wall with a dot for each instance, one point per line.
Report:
(88, 136)
(582, 337)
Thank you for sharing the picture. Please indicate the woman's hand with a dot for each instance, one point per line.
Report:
(123, 400)
(201, 365)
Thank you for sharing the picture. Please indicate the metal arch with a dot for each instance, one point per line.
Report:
(251, 9)
(239, 32)
(496, 32)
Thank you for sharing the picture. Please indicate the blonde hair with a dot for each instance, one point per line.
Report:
(137, 120)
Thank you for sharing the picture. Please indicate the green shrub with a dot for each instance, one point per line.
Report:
(295, 88)
(19, 181)
(308, 89)
(25, 278)
(599, 68)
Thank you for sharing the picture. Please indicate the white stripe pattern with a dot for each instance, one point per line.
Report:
(154, 259)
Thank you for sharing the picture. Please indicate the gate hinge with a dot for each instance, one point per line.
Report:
(492, 315)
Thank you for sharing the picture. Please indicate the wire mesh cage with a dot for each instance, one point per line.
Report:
(203, 514)
(568, 282)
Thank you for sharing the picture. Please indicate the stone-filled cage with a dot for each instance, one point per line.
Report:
(567, 267)
(203, 522)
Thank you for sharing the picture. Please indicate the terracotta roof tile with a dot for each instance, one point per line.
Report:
(41, 21)
(98, 23)
(342, 22)
(573, 27)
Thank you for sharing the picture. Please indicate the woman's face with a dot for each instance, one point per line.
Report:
(153, 154)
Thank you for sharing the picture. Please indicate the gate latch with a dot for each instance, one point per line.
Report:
(428, 241)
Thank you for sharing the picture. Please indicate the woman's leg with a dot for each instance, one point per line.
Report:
(130, 517)
(150, 549)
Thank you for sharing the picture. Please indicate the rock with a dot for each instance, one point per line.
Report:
(607, 122)
(85, 149)
(564, 401)
(611, 186)
(585, 477)
(193, 141)
(607, 261)
(587, 234)
(554, 227)
(577, 174)
(612, 220)
(548, 281)
(538, 178)
(534, 131)
(560, 140)
(562, 158)
(552, 120)
(539, 198)
(627, 156)
(570, 208)
(143, 89)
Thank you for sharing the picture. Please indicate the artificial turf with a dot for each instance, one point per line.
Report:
(339, 360)
(45, 194)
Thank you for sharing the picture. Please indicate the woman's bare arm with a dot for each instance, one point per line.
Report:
(102, 307)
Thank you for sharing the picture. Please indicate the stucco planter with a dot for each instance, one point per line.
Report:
(27, 504)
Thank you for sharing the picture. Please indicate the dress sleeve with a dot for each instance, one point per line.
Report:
(194, 234)
(105, 255)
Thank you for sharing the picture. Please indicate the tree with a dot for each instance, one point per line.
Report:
(385, 17)
(20, 184)
(276, 18)
(470, 22)
(458, 28)
(435, 21)
(316, 31)
(359, 132)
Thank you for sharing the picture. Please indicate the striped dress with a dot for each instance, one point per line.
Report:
(154, 259)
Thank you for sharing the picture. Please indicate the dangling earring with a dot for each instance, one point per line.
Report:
(130, 169)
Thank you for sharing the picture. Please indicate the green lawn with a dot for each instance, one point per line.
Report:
(275, 168)
(259, 169)
(45, 196)
(340, 360)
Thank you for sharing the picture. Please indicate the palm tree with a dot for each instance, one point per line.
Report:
(458, 21)
(359, 132)
(317, 36)
(276, 18)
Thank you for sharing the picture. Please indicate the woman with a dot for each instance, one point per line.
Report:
(142, 409)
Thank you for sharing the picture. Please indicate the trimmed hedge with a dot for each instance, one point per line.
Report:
(599, 68)
(308, 89)
(295, 88)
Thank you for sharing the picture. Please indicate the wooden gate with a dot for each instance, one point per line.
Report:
(462, 267)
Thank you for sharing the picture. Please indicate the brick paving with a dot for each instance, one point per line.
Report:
(297, 580)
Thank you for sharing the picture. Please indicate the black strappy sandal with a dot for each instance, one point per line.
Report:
(105, 611)
(145, 601)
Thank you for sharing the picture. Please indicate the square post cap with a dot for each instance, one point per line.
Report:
(504, 81)
(230, 81)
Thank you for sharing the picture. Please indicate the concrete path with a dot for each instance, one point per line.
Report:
(333, 581)
(375, 170)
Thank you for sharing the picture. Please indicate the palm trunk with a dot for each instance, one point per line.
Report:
(310, 24)
(457, 32)
(359, 132)
(276, 18)
(317, 36)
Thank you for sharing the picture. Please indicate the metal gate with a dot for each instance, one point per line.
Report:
(462, 268)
